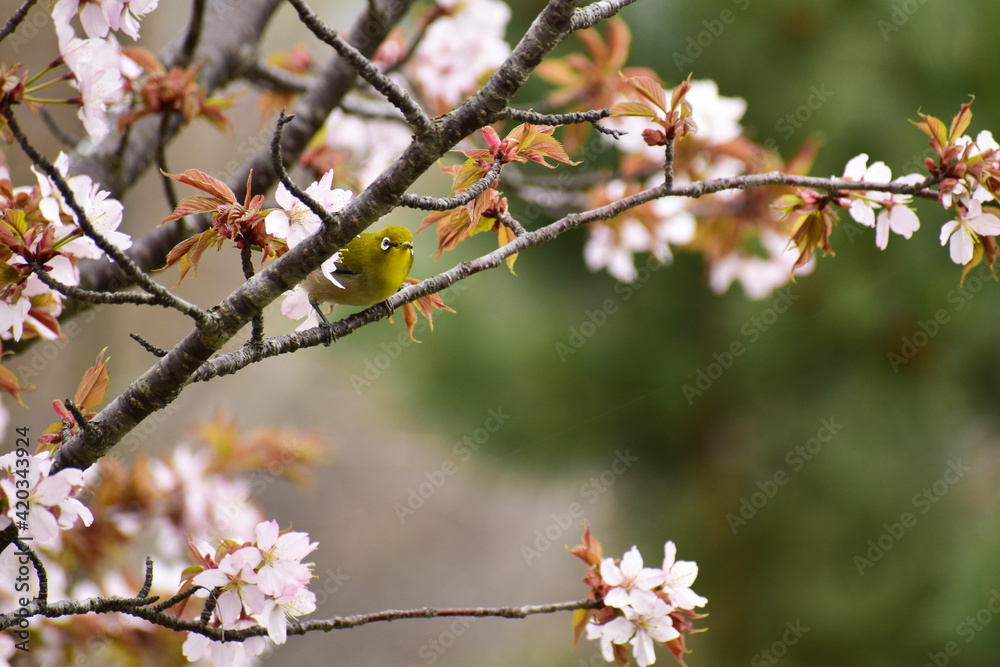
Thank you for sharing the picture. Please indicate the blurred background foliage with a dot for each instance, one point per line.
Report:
(621, 390)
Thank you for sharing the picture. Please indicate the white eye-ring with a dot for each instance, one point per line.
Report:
(386, 243)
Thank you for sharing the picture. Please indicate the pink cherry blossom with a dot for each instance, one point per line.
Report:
(281, 557)
(678, 577)
(49, 502)
(631, 581)
(965, 231)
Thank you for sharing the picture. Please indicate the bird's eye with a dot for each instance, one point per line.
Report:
(386, 243)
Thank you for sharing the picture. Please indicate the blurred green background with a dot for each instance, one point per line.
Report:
(793, 562)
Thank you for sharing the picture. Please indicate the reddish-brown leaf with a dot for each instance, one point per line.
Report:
(649, 88)
(193, 206)
(94, 385)
(209, 184)
(633, 109)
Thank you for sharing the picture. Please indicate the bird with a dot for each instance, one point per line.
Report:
(371, 268)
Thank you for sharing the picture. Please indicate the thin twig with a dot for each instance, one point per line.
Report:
(161, 160)
(576, 117)
(147, 584)
(90, 296)
(81, 419)
(274, 78)
(461, 199)
(279, 168)
(257, 324)
(510, 223)
(43, 579)
(157, 352)
(415, 116)
(66, 138)
(141, 608)
(193, 35)
(164, 296)
(668, 164)
(15, 19)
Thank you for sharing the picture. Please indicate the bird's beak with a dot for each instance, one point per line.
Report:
(405, 244)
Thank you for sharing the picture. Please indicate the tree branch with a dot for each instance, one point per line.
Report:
(415, 116)
(594, 13)
(461, 199)
(16, 18)
(562, 119)
(311, 110)
(141, 608)
(161, 294)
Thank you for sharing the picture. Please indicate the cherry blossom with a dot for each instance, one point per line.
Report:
(678, 577)
(296, 306)
(294, 221)
(91, 18)
(125, 15)
(632, 583)
(607, 247)
(965, 231)
(367, 146)
(617, 631)
(13, 314)
(50, 505)
(459, 50)
(894, 212)
(759, 275)
(96, 63)
(652, 622)
(225, 654)
(281, 557)
(104, 212)
(718, 117)
(641, 625)
(294, 602)
(236, 577)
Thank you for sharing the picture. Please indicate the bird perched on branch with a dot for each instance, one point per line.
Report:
(371, 268)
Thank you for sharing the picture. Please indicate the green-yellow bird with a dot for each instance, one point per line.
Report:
(371, 268)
